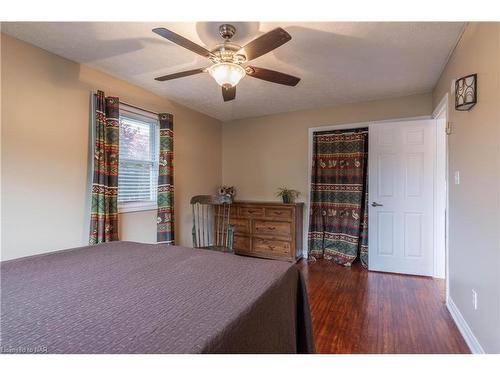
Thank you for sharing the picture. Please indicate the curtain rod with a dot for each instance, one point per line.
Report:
(363, 129)
(133, 106)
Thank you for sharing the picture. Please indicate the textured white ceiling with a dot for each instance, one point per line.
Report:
(338, 62)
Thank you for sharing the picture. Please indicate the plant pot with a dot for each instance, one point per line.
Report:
(286, 199)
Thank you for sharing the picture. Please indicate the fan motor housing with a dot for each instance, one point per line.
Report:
(228, 52)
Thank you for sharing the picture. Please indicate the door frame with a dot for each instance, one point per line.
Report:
(443, 109)
(353, 125)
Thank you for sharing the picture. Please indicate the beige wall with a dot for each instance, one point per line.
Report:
(45, 126)
(474, 205)
(264, 153)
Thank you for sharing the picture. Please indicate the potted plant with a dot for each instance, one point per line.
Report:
(288, 195)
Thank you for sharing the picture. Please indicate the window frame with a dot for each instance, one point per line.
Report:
(137, 114)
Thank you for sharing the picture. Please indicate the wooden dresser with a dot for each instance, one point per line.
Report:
(268, 229)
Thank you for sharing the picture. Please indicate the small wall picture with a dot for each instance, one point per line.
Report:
(466, 92)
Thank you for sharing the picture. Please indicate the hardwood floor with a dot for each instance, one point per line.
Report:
(356, 311)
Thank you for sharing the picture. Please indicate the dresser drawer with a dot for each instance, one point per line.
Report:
(241, 225)
(263, 245)
(241, 243)
(233, 212)
(279, 213)
(272, 228)
(251, 211)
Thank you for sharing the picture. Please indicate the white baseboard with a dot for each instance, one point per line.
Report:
(471, 340)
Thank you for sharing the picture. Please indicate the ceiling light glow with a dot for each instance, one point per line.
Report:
(227, 73)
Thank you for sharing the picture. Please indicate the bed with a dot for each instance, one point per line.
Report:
(127, 297)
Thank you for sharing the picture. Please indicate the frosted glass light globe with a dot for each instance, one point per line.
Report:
(227, 73)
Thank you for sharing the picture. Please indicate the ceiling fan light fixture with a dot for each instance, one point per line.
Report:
(227, 58)
(227, 73)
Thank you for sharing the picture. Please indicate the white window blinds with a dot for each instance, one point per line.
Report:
(138, 160)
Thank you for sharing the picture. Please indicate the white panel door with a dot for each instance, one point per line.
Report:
(401, 197)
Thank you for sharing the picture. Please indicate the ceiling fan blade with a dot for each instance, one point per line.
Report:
(272, 76)
(181, 41)
(265, 43)
(180, 74)
(228, 93)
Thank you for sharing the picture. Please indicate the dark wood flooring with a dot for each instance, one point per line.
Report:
(356, 311)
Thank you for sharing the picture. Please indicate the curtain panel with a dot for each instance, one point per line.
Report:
(338, 228)
(104, 207)
(165, 220)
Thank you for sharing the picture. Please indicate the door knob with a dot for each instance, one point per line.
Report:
(375, 204)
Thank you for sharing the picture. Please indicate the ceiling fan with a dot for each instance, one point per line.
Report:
(228, 58)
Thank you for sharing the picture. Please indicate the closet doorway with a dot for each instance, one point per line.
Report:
(402, 202)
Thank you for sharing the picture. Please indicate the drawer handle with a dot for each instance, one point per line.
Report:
(271, 247)
(271, 228)
(278, 212)
(251, 211)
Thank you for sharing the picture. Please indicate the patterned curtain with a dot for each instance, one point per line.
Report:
(165, 221)
(104, 209)
(338, 228)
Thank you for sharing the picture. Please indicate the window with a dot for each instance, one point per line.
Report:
(138, 160)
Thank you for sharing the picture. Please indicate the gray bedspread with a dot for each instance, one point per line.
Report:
(126, 297)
